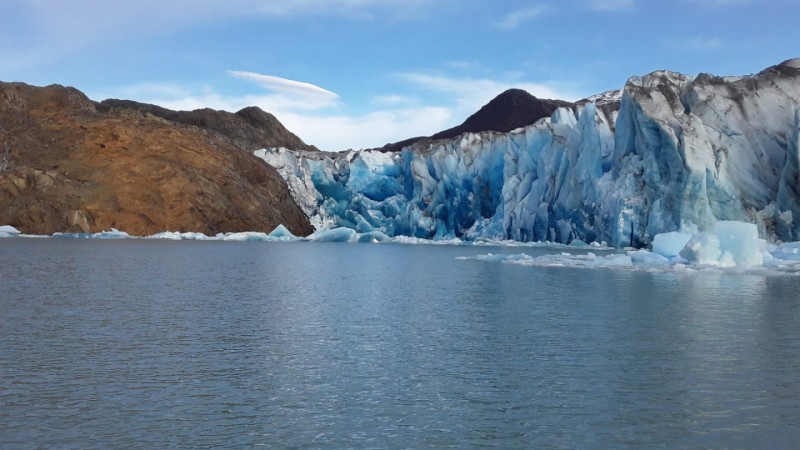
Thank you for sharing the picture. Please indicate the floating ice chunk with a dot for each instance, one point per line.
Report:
(731, 244)
(178, 236)
(374, 237)
(245, 236)
(614, 261)
(645, 258)
(562, 260)
(670, 244)
(281, 234)
(702, 248)
(166, 236)
(281, 231)
(416, 241)
(340, 234)
(8, 231)
(739, 243)
(59, 235)
(111, 234)
(518, 258)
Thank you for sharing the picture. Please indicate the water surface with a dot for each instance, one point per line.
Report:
(142, 344)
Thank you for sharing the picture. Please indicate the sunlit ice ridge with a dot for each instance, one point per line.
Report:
(667, 153)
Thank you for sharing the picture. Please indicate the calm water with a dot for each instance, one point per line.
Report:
(141, 344)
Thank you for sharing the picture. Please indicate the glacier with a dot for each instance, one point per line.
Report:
(667, 153)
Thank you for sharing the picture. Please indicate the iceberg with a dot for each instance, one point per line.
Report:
(340, 234)
(374, 237)
(245, 236)
(281, 234)
(589, 260)
(110, 234)
(179, 236)
(8, 231)
(668, 153)
(731, 246)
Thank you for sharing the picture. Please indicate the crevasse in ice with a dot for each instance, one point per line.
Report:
(679, 154)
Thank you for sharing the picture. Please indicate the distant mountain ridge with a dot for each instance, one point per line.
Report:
(249, 129)
(512, 109)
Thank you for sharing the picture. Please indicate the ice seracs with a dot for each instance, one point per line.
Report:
(679, 153)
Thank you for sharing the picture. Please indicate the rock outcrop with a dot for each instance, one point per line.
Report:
(68, 164)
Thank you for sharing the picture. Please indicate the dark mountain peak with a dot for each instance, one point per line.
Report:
(513, 96)
(257, 116)
(512, 109)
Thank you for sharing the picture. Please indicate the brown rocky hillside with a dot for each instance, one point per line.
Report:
(70, 164)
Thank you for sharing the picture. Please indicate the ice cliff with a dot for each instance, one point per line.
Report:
(669, 152)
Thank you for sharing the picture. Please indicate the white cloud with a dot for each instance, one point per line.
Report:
(315, 114)
(469, 94)
(339, 132)
(696, 44)
(516, 18)
(278, 84)
(301, 108)
(290, 94)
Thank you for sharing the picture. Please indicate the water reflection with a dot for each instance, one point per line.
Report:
(329, 345)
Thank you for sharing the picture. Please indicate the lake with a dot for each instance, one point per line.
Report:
(145, 344)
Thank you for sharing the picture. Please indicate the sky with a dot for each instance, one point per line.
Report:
(361, 73)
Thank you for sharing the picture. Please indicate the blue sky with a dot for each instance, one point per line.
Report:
(361, 73)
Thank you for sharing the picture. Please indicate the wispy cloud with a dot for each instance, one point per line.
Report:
(609, 5)
(696, 44)
(516, 18)
(316, 96)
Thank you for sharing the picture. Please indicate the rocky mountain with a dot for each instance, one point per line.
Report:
(508, 111)
(668, 152)
(250, 128)
(68, 164)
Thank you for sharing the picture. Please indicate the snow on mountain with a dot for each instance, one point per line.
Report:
(679, 154)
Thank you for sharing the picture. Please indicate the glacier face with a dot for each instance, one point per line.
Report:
(679, 154)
